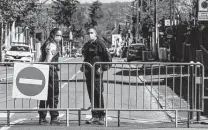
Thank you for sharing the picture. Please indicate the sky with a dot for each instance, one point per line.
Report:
(90, 1)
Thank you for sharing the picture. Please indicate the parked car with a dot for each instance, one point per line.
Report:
(19, 53)
(124, 51)
(135, 52)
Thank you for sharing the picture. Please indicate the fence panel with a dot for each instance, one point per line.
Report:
(71, 83)
(138, 85)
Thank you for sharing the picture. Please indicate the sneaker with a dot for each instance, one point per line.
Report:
(101, 121)
(42, 121)
(92, 120)
(55, 121)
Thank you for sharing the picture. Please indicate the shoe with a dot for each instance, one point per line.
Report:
(42, 121)
(101, 121)
(92, 120)
(55, 121)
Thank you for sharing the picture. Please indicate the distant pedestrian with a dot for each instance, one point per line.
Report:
(50, 52)
(93, 51)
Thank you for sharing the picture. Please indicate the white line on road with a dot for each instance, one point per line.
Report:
(30, 81)
(4, 78)
(71, 78)
(4, 115)
(67, 59)
(13, 123)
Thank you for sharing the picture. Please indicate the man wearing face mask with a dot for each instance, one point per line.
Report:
(50, 53)
(93, 51)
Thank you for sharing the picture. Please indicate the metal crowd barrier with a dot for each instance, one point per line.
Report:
(133, 86)
(136, 86)
(72, 90)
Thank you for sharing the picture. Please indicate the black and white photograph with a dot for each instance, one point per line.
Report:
(103, 64)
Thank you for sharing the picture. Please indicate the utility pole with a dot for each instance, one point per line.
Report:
(137, 20)
(171, 13)
(174, 12)
(2, 32)
(155, 29)
(141, 15)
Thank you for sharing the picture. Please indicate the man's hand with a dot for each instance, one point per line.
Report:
(81, 69)
(99, 71)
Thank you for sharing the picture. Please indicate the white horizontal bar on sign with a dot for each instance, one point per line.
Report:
(30, 81)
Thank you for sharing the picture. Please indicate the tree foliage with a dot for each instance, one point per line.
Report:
(95, 14)
(11, 9)
(64, 10)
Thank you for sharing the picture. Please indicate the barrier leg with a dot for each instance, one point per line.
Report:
(106, 120)
(119, 112)
(79, 117)
(188, 119)
(67, 117)
(176, 119)
(8, 118)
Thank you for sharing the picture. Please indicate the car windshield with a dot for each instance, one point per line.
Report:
(19, 48)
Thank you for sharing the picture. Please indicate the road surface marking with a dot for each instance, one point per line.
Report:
(30, 81)
(149, 121)
(67, 59)
(4, 115)
(13, 123)
(63, 85)
(71, 78)
(4, 78)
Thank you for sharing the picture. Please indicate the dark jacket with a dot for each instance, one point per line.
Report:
(96, 51)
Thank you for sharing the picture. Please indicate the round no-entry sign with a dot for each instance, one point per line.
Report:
(30, 81)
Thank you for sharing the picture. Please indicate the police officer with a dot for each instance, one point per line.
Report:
(50, 53)
(93, 51)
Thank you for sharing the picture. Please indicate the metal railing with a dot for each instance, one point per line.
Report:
(72, 90)
(133, 86)
(136, 86)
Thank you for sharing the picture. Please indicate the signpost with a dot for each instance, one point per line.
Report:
(30, 81)
(203, 10)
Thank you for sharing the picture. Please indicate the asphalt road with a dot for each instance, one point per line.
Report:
(121, 91)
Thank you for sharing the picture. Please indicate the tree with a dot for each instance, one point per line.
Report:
(78, 21)
(27, 17)
(95, 13)
(64, 10)
(11, 9)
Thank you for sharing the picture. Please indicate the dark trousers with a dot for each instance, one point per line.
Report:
(53, 93)
(98, 94)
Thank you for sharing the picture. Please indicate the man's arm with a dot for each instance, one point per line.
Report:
(105, 55)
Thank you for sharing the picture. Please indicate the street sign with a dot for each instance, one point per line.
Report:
(30, 81)
(203, 5)
(167, 22)
(203, 16)
(203, 10)
(169, 36)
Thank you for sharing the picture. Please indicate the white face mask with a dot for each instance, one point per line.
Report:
(92, 34)
(57, 38)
